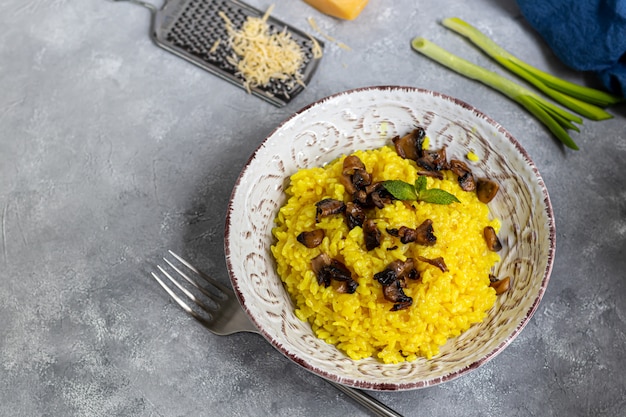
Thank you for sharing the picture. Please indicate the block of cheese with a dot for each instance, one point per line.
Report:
(343, 9)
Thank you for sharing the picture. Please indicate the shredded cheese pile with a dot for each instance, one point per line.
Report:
(261, 56)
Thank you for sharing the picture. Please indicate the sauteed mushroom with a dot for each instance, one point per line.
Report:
(466, 178)
(500, 285)
(435, 160)
(493, 243)
(410, 145)
(328, 206)
(347, 287)
(424, 233)
(404, 269)
(319, 265)
(377, 195)
(438, 262)
(392, 279)
(486, 189)
(327, 269)
(355, 215)
(433, 174)
(394, 293)
(372, 235)
(311, 239)
(407, 235)
(354, 175)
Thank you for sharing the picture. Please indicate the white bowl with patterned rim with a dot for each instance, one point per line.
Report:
(368, 118)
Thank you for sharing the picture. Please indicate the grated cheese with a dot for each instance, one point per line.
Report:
(260, 56)
(216, 45)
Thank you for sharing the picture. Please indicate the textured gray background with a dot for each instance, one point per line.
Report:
(113, 150)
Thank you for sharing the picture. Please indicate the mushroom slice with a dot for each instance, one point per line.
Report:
(319, 265)
(392, 289)
(377, 195)
(466, 178)
(407, 235)
(372, 235)
(361, 179)
(346, 181)
(493, 243)
(410, 145)
(354, 167)
(347, 287)
(355, 215)
(351, 164)
(433, 174)
(438, 262)
(360, 197)
(435, 160)
(392, 279)
(422, 235)
(354, 175)
(327, 207)
(339, 272)
(311, 239)
(327, 269)
(425, 234)
(394, 293)
(500, 285)
(404, 269)
(486, 189)
(386, 277)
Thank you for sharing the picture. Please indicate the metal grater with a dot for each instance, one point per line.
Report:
(190, 28)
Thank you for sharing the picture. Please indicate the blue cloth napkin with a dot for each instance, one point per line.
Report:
(586, 35)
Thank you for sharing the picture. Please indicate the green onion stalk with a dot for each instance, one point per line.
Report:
(557, 120)
(587, 102)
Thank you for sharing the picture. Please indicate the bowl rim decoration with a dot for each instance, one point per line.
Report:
(367, 118)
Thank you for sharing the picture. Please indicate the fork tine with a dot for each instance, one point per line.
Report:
(185, 291)
(230, 318)
(179, 301)
(214, 297)
(225, 290)
(224, 314)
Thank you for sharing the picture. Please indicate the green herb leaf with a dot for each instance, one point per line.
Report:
(404, 191)
(400, 190)
(437, 196)
(420, 184)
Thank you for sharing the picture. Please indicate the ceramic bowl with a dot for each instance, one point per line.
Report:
(368, 118)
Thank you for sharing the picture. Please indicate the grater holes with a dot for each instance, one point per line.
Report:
(199, 26)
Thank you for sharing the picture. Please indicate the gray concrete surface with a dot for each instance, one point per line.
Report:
(113, 150)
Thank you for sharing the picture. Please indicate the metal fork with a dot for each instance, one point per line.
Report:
(219, 311)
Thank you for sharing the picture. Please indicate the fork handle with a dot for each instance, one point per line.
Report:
(370, 403)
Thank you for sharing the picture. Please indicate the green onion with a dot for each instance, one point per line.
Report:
(556, 119)
(583, 100)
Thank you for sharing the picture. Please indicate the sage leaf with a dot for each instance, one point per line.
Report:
(437, 196)
(420, 184)
(400, 190)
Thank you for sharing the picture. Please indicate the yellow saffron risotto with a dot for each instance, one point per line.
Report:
(445, 304)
